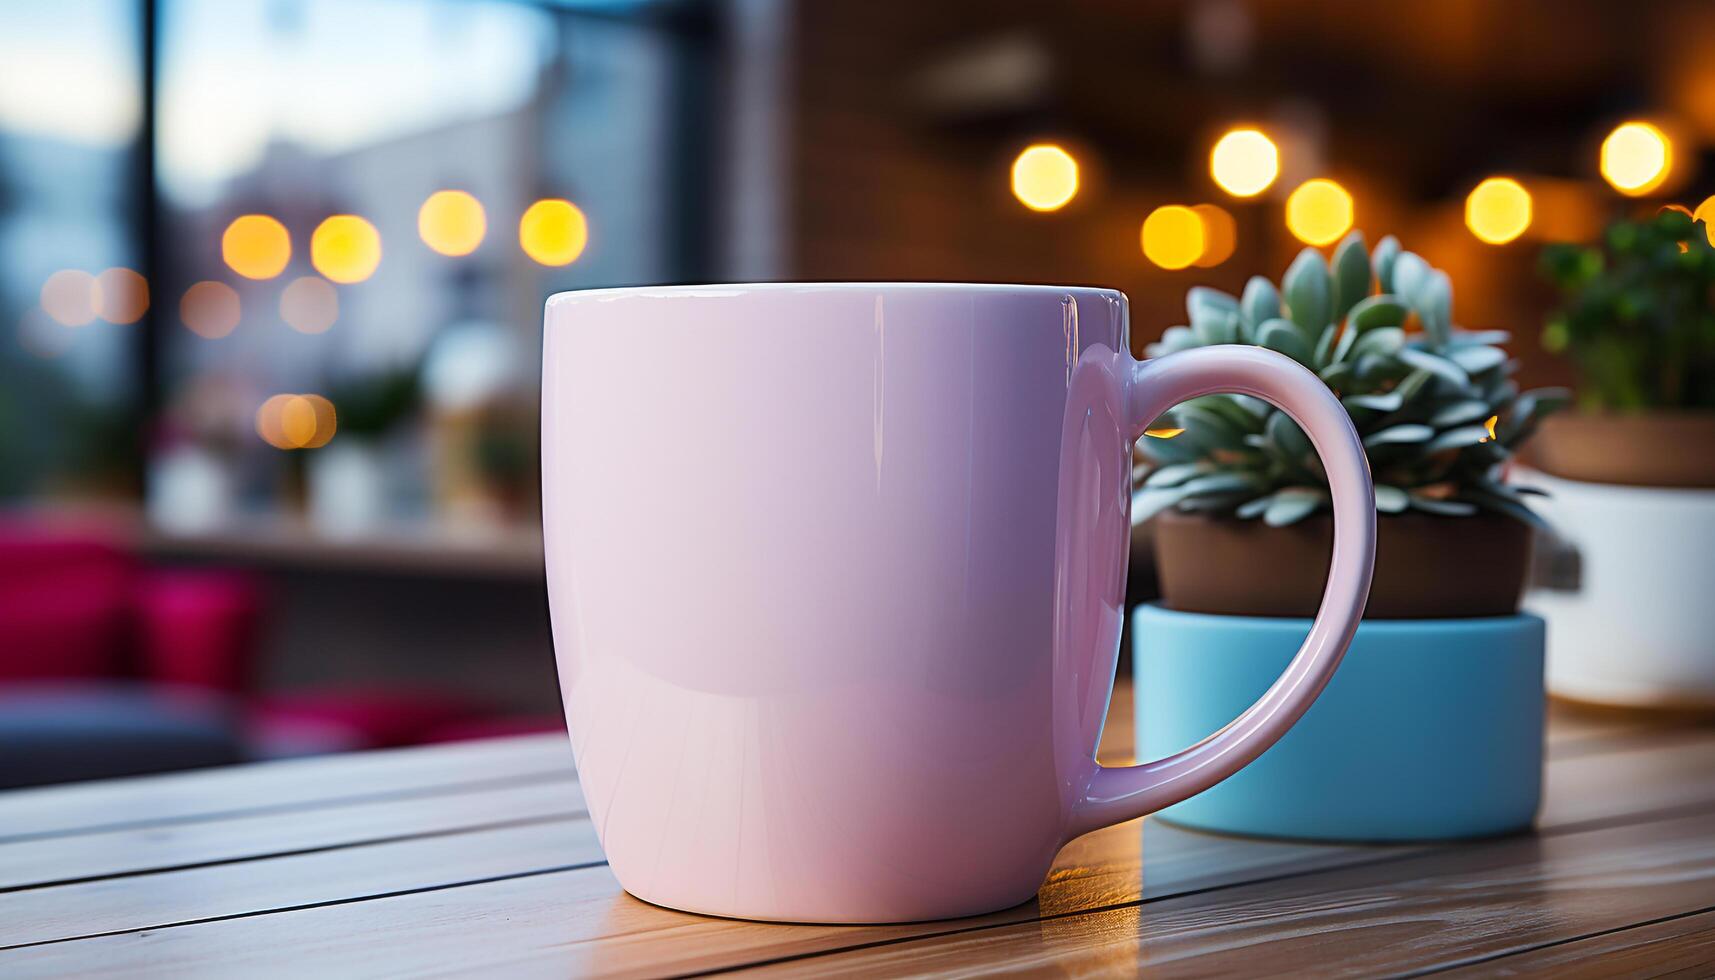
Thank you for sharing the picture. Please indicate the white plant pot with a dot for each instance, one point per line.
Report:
(1631, 607)
(190, 491)
(348, 488)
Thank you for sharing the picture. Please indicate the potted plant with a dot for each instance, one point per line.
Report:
(1633, 470)
(1444, 680)
(350, 490)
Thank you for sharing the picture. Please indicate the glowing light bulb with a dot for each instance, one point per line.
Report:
(1636, 158)
(256, 246)
(1244, 162)
(345, 248)
(1319, 212)
(1044, 177)
(553, 232)
(1498, 210)
(452, 222)
(1173, 236)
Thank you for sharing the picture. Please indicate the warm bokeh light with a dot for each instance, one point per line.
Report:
(1173, 236)
(345, 248)
(71, 297)
(1220, 235)
(256, 246)
(1636, 157)
(1706, 213)
(1319, 212)
(1044, 177)
(210, 309)
(553, 232)
(309, 304)
(1498, 210)
(452, 222)
(122, 295)
(1244, 162)
(289, 421)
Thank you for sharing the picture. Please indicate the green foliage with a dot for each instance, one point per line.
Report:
(1638, 314)
(371, 406)
(1421, 399)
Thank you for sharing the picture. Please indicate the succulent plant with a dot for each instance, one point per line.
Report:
(1639, 314)
(1436, 405)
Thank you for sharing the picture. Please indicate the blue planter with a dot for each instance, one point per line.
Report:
(1431, 729)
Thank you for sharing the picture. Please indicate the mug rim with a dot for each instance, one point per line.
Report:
(719, 290)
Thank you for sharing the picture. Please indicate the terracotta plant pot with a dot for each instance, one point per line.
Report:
(1646, 449)
(1427, 567)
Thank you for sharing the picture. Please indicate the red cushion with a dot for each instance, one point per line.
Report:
(197, 627)
(64, 602)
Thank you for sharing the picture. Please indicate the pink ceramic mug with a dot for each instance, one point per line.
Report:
(836, 575)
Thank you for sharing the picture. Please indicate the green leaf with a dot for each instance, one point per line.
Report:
(1260, 303)
(1459, 438)
(1412, 384)
(1435, 364)
(1390, 500)
(1221, 482)
(1456, 413)
(1282, 336)
(1501, 505)
(1382, 341)
(1336, 374)
(1203, 297)
(1410, 272)
(1382, 260)
(1382, 310)
(1287, 438)
(1172, 340)
(1308, 291)
(1148, 502)
(1352, 273)
(1493, 338)
(1434, 305)
(1213, 326)
(1388, 402)
(1408, 432)
(1446, 508)
(1324, 346)
(1292, 505)
(1254, 507)
(1476, 360)
(1175, 474)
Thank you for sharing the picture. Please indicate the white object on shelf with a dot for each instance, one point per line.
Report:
(348, 488)
(190, 490)
(1633, 620)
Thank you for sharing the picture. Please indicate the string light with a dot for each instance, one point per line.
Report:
(256, 246)
(553, 232)
(1244, 162)
(1044, 177)
(1498, 210)
(1319, 212)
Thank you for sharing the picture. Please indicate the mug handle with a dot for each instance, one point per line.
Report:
(1133, 393)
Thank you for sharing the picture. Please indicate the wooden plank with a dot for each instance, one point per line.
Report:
(179, 846)
(591, 923)
(207, 794)
(580, 921)
(247, 888)
(1456, 906)
(1681, 945)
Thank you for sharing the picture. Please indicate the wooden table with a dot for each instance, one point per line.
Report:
(480, 858)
